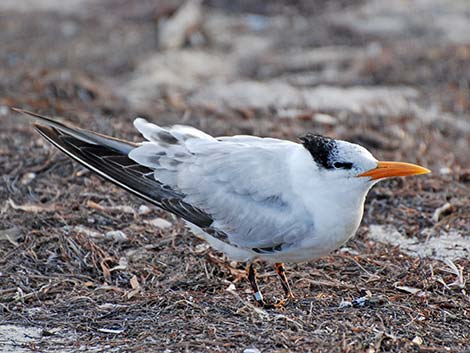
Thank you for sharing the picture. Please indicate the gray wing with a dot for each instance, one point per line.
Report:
(241, 182)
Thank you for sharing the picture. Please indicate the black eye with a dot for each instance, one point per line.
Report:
(343, 165)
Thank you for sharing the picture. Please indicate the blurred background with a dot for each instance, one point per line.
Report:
(393, 76)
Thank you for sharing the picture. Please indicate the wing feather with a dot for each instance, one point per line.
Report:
(234, 188)
(243, 183)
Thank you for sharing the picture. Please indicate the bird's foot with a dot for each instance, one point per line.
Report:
(281, 303)
(290, 296)
(257, 293)
(278, 305)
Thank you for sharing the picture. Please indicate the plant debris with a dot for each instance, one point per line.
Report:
(85, 266)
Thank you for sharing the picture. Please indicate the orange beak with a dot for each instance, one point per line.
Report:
(394, 169)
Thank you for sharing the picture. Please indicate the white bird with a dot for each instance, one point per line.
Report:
(249, 197)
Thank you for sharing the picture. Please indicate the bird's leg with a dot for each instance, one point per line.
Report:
(281, 272)
(256, 292)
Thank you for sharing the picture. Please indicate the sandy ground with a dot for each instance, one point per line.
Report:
(392, 76)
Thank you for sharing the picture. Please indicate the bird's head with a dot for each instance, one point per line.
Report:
(339, 159)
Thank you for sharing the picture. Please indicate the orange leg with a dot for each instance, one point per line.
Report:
(257, 293)
(281, 272)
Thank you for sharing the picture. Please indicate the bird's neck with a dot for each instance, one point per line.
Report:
(336, 206)
(336, 217)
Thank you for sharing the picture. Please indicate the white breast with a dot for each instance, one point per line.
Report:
(335, 207)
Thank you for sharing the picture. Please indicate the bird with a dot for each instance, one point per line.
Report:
(251, 198)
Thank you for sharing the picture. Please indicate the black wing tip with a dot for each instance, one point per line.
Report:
(26, 112)
(17, 110)
(43, 129)
(49, 134)
(42, 118)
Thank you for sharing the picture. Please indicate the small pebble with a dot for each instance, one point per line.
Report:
(231, 288)
(4, 110)
(251, 350)
(87, 231)
(28, 178)
(325, 119)
(144, 210)
(160, 223)
(445, 171)
(116, 235)
(345, 304)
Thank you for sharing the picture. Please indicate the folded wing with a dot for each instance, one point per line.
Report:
(243, 183)
(236, 189)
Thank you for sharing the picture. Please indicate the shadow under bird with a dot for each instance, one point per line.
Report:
(249, 197)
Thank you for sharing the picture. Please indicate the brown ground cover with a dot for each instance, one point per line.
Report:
(275, 70)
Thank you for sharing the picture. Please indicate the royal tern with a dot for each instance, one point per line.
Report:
(249, 197)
